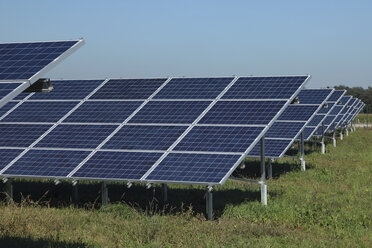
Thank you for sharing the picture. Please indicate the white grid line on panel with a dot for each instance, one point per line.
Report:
(118, 128)
(189, 128)
(52, 128)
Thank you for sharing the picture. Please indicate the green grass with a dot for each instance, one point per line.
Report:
(329, 205)
(362, 118)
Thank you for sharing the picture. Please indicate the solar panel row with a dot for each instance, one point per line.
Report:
(149, 129)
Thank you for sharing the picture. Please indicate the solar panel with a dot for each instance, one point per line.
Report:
(181, 112)
(40, 112)
(316, 125)
(274, 148)
(76, 136)
(46, 163)
(145, 137)
(117, 165)
(193, 168)
(128, 89)
(193, 88)
(243, 112)
(313, 96)
(103, 112)
(22, 64)
(6, 108)
(68, 90)
(25, 60)
(298, 112)
(264, 87)
(20, 135)
(7, 155)
(219, 139)
(292, 122)
(285, 129)
(121, 129)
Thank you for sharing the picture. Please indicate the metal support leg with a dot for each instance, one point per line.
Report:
(75, 193)
(270, 170)
(263, 174)
(334, 138)
(302, 150)
(322, 142)
(9, 190)
(209, 204)
(341, 134)
(104, 194)
(347, 132)
(164, 191)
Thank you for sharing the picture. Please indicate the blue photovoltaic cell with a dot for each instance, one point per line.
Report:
(242, 112)
(193, 88)
(40, 112)
(184, 112)
(345, 99)
(145, 137)
(76, 136)
(298, 112)
(117, 165)
(284, 129)
(316, 120)
(219, 139)
(6, 88)
(329, 119)
(103, 112)
(336, 95)
(326, 110)
(20, 135)
(264, 87)
(6, 108)
(202, 168)
(46, 163)
(128, 88)
(23, 60)
(336, 110)
(313, 96)
(7, 155)
(68, 90)
(307, 133)
(273, 148)
(22, 95)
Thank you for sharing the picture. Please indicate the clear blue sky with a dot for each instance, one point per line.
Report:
(331, 40)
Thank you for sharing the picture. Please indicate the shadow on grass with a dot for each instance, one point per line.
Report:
(180, 198)
(28, 242)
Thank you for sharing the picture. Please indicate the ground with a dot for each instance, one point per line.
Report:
(328, 205)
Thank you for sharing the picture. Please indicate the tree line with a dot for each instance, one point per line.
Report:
(359, 92)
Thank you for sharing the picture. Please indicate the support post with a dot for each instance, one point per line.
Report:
(347, 131)
(367, 116)
(104, 193)
(341, 134)
(263, 174)
(164, 191)
(209, 203)
(9, 190)
(302, 150)
(334, 138)
(270, 169)
(75, 193)
(322, 142)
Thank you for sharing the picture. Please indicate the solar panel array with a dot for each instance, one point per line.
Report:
(182, 130)
(292, 122)
(22, 64)
(314, 128)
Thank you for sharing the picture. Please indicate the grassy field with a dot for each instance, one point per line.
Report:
(329, 205)
(362, 118)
